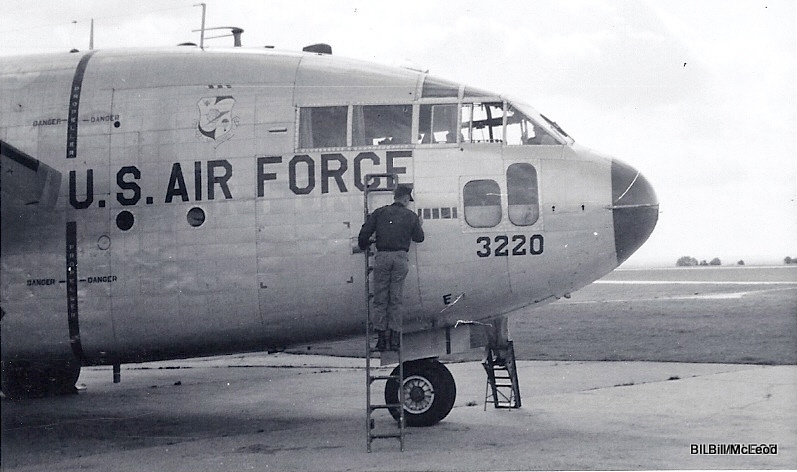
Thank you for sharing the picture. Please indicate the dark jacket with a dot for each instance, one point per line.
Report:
(395, 227)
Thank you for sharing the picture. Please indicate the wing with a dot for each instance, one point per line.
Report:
(25, 179)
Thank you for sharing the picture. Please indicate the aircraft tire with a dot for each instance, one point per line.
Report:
(430, 392)
(20, 383)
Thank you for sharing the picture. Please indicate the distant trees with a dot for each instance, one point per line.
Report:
(688, 261)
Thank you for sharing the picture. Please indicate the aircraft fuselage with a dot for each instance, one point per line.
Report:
(209, 202)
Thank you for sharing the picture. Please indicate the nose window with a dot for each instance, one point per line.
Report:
(523, 199)
(482, 200)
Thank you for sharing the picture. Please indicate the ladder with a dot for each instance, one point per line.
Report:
(372, 373)
(502, 380)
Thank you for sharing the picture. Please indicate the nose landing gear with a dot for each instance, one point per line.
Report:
(429, 392)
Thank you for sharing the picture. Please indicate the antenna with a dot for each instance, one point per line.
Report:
(235, 32)
(91, 36)
(202, 34)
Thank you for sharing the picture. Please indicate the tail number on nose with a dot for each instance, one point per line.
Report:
(510, 245)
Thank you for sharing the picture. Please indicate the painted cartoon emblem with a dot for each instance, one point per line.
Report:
(216, 122)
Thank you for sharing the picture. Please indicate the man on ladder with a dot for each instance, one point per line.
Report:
(396, 227)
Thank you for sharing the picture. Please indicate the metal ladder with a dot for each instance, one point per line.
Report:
(502, 380)
(372, 373)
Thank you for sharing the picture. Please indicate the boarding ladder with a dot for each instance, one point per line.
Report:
(502, 382)
(373, 373)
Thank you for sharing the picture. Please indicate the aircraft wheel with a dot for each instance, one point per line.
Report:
(429, 392)
(20, 383)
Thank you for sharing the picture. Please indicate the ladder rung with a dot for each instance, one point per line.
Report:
(384, 407)
(384, 377)
(385, 435)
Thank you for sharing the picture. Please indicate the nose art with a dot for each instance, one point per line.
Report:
(635, 209)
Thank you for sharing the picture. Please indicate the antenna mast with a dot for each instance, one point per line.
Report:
(91, 36)
(202, 29)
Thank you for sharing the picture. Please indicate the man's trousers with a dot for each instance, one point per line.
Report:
(390, 270)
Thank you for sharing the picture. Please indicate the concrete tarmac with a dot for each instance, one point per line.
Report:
(292, 412)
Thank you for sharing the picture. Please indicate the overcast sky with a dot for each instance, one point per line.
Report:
(698, 95)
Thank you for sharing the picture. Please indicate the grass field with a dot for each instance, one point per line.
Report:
(716, 314)
(696, 314)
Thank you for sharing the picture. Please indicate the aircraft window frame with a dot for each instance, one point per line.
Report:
(530, 132)
(522, 190)
(481, 200)
(309, 123)
(469, 117)
(546, 124)
(360, 122)
(430, 115)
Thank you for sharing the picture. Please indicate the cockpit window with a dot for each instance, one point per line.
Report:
(437, 124)
(439, 88)
(321, 127)
(483, 122)
(522, 130)
(556, 127)
(471, 92)
(381, 125)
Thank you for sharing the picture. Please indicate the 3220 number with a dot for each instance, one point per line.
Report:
(515, 245)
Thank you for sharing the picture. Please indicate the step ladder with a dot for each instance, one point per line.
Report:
(373, 373)
(502, 382)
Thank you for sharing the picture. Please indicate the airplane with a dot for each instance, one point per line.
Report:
(181, 202)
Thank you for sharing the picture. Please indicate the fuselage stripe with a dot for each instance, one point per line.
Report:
(71, 289)
(74, 106)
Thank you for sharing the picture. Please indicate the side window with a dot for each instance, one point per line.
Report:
(381, 125)
(483, 122)
(437, 124)
(321, 127)
(482, 200)
(520, 130)
(522, 194)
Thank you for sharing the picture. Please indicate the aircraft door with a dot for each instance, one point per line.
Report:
(459, 196)
(274, 212)
(525, 252)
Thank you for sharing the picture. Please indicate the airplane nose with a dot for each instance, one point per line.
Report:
(635, 209)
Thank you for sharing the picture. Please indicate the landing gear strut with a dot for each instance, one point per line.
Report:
(429, 392)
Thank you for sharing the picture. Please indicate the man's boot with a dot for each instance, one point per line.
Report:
(395, 340)
(381, 342)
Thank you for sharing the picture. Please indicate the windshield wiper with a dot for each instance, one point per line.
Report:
(556, 127)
